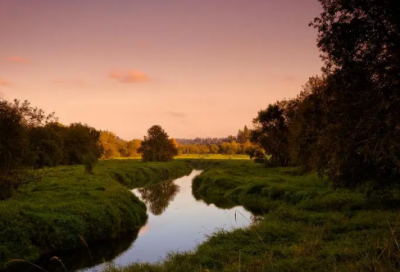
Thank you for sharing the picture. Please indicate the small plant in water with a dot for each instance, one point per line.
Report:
(89, 161)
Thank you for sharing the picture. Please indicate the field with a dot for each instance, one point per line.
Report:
(201, 156)
(305, 225)
(51, 214)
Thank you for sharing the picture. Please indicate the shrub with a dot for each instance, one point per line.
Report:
(89, 160)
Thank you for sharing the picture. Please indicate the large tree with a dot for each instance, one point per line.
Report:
(271, 132)
(360, 42)
(157, 146)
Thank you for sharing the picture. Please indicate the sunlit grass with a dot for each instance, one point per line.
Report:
(199, 156)
(213, 156)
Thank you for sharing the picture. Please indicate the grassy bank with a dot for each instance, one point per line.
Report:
(49, 215)
(306, 226)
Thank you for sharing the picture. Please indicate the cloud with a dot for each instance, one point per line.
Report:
(5, 83)
(17, 59)
(129, 76)
(70, 82)
(176, 114)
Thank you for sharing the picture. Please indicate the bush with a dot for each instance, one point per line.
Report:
(89, 160)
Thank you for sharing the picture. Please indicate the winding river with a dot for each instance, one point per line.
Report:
(177, 222)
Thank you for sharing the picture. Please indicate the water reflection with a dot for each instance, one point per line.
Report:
(158, 197)
(225, 203)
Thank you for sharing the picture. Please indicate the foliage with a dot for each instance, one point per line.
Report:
(345, 124)
(46, 147)
(271, 133)
(243, 135)
(16, 121)
(157, 146)
(359, 41)
(115, 147)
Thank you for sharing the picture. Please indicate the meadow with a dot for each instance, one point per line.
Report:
(302, 225)
(68, 208)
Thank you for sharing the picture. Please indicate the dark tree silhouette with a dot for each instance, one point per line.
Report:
(360, 42)
(156, 146)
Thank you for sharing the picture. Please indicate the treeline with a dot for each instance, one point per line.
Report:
(31, 139)
(344, 124)
(224, 148)
(115, 147)
(239, 144)
(204, 141)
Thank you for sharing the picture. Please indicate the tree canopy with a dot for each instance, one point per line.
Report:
(157, 146)
(346, 123)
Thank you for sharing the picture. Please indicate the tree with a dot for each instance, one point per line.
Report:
(16, 120)
(271, 134)
(132, 148)
(156, 146)
(243, 135)
(307, 126)
(360, 42)
(108, 141)
(46, 147)
(214, 149)
(79, 140)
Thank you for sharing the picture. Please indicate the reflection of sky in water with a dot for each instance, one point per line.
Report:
(184, 224)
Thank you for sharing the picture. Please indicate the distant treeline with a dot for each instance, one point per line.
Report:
(239, 144)
(115, 147)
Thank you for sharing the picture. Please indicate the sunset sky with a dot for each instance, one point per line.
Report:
(195, 67)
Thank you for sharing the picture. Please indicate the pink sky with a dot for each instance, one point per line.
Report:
(197, 68)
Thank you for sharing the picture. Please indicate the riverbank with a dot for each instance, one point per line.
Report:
(306, 225)
(53, 213)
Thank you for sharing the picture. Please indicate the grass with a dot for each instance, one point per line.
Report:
(201, 156)
(213, 156)
(52, 214)
(305, 224)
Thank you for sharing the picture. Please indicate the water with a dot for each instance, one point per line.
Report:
(177, 222)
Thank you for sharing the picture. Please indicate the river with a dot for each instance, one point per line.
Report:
(177, 222)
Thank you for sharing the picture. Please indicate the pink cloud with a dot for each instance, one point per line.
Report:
(129, 76)
(5, 83)
(17, 59)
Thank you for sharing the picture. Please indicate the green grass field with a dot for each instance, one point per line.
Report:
(49, 215)
(306, 225)
(201, 156)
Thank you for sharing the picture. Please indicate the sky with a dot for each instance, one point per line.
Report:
(198, 68)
